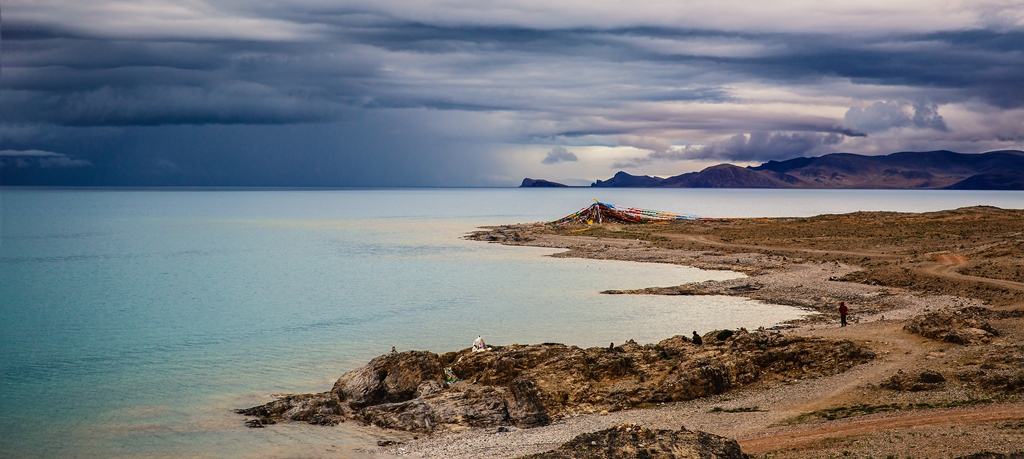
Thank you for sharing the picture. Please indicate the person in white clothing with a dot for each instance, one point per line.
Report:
(479, 345)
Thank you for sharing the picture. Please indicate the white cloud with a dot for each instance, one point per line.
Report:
(41, 158)
(884, 115)
(559, 154)
(29, 153)
(161, 19)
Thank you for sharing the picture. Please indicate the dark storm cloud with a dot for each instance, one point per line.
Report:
(351, 68)
(984, 64)
(147, 105)
(757, 146)
(509, 73)
(764, 145)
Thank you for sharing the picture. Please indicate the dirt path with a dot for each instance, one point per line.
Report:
(786, 438)
(711, 241)
(949, 271)
(944, 266)
(896, 350)
(947, 267)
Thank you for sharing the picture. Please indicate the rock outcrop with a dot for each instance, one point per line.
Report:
(962, 326)
(997, 367)
(390, 378)
(321, 409)
(632, 441)
(540, 183)
(924, 380)
(625, 180)
(532, 385)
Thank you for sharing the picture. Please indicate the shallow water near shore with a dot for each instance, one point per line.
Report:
(134, 321)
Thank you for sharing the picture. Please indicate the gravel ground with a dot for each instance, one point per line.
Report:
(876, 315)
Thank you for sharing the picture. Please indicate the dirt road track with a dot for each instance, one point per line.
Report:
(945, 265)
(949, 271)
(788, 437)
(714, 242)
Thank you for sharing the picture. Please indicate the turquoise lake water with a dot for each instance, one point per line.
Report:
(134, 321)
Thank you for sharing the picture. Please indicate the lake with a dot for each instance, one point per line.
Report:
(135, 320)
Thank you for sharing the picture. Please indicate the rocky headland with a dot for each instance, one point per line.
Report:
(540, 183)
(930, 365)
(528, 386)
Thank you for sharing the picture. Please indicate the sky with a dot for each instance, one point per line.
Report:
(484, 93)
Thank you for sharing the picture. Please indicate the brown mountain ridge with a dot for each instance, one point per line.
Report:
(995, 170)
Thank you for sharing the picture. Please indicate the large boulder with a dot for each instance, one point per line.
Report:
(390, 378)
(464, 404)
(321, 409)
(923, 380)
(958, 326)
(627, 441)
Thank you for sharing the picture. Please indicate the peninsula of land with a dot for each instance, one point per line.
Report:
(929, 366)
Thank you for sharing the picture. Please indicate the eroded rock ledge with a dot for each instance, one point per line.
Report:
(629, 440)
(533, 385)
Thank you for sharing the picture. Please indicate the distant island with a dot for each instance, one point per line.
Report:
(531, 183)
(996, 170)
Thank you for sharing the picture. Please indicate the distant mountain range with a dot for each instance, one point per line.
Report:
(996, 170)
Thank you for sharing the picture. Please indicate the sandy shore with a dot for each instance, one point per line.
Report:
(785, 420)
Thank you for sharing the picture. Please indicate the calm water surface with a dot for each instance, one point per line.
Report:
(133, 321)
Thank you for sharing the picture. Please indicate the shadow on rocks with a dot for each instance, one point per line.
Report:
(633, 441)
(533, 385)
(961, 326)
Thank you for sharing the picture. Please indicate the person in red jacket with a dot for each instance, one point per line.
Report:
(842, 313)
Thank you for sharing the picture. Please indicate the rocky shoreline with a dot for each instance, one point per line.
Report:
(526, 386)
(776, 391)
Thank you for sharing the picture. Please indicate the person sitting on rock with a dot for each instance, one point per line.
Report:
(697, 339)
(479, 345)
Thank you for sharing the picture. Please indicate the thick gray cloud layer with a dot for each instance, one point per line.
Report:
(758, 146)
(398, 92)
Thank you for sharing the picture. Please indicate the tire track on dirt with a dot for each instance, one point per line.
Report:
(710, 241)
(791, 438)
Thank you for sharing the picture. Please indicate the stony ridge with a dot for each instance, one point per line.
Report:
(996, 170)
(533, 385)
(627, 441)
